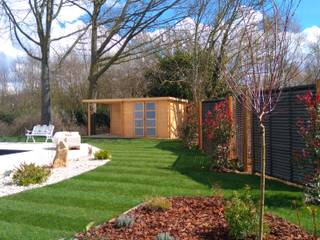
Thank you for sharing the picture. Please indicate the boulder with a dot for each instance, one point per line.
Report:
(61, 157)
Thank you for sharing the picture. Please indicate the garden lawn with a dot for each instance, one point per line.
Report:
(139, 168)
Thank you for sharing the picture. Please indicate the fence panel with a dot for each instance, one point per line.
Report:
(282, 138)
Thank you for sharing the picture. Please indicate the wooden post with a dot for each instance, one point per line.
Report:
(232, 153)
(247, 141)
(200, 125)
(318, 86)
(89, 119)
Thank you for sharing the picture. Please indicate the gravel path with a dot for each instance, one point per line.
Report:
(74, 168)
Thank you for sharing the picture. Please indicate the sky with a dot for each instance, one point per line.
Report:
(308, 14)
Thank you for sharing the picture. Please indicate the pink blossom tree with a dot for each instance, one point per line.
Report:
(265, 63)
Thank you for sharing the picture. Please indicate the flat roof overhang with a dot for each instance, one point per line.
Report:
(119, 100)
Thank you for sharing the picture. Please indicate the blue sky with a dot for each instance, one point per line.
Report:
(308, 13)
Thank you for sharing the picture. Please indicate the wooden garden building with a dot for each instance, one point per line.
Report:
(153, 117)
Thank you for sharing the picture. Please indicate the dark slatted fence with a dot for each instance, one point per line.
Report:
(282, 139)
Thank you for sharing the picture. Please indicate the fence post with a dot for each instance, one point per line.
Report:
(232, 154)
(89, 118)
(317, 86)
(247, 137)
(200, 125)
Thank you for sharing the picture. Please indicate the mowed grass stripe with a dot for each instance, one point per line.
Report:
(43, 220)
(51, 208)
(130, 189)
(91, 200)
(140, 177)
(16, 231)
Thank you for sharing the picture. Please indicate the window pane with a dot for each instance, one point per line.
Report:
(151, 106)
(151, 132)
(138, 115)
(138, 123)
(151, 123)
(151, 115)
(139, 131)
(139, 106)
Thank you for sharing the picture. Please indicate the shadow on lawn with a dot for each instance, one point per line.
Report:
(194, 164)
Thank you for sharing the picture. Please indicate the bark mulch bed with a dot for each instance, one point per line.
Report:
(189, 218)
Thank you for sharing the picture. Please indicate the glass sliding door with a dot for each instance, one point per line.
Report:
(145, 119)
(150, 119)
(139, 120)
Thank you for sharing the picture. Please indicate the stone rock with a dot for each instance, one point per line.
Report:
(61, 157)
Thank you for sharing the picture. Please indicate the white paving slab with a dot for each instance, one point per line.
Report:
(42, 154)
(39, 153)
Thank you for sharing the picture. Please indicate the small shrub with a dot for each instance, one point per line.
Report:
(158, 204)
(28, 174)
(188, 130)
(241, 215)
(218, 131)
(124, 221)
(102, 154)
(164, 236)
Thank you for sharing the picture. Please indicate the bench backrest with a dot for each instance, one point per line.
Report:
(43, 130)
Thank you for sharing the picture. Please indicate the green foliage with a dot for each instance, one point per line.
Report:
(164, 236)
(7, 117)
(189, 128)
(124, 221)
(28, 174)
(218, 131)
(171, 77)
(102, 154)
(241, 215)
(158, 204)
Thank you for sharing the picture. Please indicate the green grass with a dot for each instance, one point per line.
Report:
(139, 168)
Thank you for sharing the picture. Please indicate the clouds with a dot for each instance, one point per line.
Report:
(68, 20)
(71, 18)
(311, 34)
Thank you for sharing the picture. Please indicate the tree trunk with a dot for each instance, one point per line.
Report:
(93, 87)
(262, 179)
(45, 93)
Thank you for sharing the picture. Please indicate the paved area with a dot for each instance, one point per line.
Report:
(39, 153)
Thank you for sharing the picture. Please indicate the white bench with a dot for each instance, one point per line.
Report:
(40, 131)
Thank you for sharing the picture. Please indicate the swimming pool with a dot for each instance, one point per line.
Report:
(7, 151)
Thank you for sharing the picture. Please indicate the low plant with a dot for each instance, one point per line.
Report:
(124, 221)
(241, 215)
(217, 191)
(297, 211)
(102, 154)
(313, 212)
(164, 236)
(158, 204)
(27, 174)
(309, 130)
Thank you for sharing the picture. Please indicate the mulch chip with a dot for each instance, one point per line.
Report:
(190, 218)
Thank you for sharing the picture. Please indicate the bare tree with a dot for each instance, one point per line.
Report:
(208, 34)
(31, 25)
(267, 64)
(114, 26)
